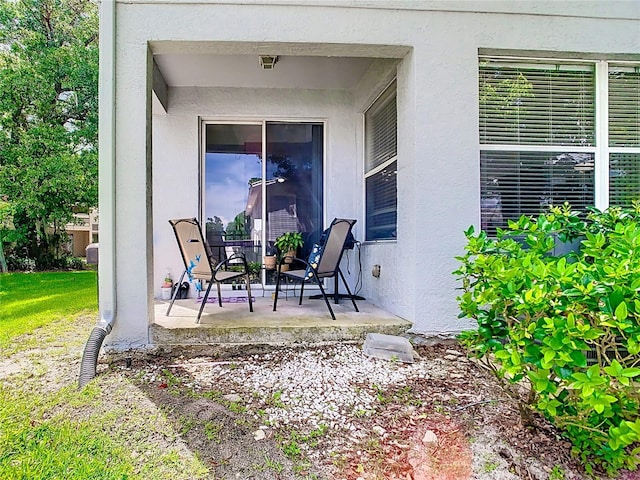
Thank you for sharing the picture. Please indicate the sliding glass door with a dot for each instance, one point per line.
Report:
(236, 180)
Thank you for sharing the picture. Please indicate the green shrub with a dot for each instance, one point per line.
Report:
(75, 263)
(565, 328)
(21, 264)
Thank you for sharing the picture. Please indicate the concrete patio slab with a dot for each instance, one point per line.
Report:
(232, 325)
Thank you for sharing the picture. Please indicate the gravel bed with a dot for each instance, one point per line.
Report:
(328, 386)
(360, 408)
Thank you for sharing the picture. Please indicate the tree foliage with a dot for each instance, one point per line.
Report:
(48, 120)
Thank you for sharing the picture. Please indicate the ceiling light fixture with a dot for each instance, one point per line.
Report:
(267, 62)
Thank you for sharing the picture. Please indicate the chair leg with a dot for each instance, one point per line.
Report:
(353, 300)
(204, 300)
(275, 297)
(175, 293)
(219, 294)
(248, 280)
(301, 292)
(326, 300)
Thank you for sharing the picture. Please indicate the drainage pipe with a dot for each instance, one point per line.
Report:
(106, 193)
(92, 350)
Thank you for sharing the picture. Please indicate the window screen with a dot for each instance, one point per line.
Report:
(381, 124)
(624, 106)
(537, 104)
(624, 135)
(532, 116)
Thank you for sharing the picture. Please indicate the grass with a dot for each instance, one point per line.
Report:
(49, 428)
(34, 446)
(33, 300)
(291, 446)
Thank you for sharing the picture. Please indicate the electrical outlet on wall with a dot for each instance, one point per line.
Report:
(376, 271)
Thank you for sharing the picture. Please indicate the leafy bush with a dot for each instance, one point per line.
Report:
(566, 328)
(21, 264)
(75, 263)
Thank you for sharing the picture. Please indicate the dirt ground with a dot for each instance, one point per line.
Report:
(458, 424)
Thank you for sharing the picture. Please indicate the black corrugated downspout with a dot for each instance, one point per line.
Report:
(91, 352)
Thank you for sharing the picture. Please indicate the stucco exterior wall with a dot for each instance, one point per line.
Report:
(438, 166)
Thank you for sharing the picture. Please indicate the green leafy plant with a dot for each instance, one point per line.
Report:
(289, 241)
(213, 431)
(274, 399)
(291, 441)
(567, 326)
(556, 473)
(254, 270)
(291, 448)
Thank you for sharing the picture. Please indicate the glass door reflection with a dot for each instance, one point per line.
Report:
(232, 165)
(236, 181)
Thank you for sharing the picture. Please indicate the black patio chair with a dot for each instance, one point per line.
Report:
(199, 263)
(323, 262)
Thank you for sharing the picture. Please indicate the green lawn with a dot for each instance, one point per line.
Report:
(49, 429)
(37, 444)
(32, 300)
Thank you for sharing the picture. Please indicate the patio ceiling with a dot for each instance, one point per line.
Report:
(236, 64)
(244, 71)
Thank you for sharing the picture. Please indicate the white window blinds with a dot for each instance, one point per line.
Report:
(624, 106)
(381, 153)
(537, 134)
(381, 126)
(624, 178)
(624, 134)
(536, 103)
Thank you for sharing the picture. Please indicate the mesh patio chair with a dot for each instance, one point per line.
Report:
(199, 264)
(323, 262)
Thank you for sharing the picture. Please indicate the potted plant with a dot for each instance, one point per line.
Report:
(254, 271)
(288, 243)
(167, 286)
(269, 259)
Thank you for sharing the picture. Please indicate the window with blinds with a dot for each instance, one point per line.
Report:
(538, 128)
(624, 134)
(624, 106)
(381, 153)
(624, 178)
(526, 183)
(537, 104)
(537, 135)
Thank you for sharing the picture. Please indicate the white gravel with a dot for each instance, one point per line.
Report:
(346, 400)
(305, 388)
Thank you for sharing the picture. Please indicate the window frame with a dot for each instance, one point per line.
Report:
(263, 122)
(370, 169)
(601, 149)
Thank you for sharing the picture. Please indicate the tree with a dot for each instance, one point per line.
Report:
(48, 119)
(237, 229)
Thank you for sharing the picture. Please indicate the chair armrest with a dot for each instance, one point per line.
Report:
(226, 262)
(281, 261)
(301, 260)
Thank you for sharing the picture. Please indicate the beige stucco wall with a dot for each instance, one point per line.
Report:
(438, 167)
